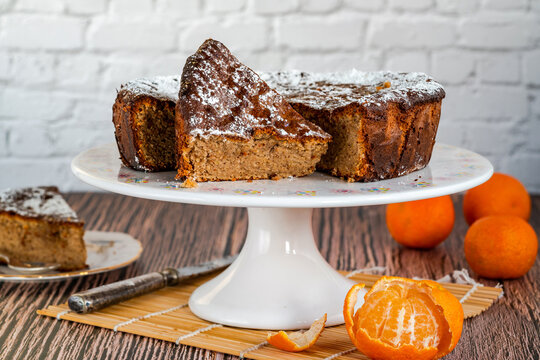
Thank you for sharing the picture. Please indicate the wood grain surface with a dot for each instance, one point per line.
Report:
(179, 235)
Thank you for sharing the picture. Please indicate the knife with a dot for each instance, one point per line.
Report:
(105, 295)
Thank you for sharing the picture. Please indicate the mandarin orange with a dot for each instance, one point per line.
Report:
(421, 224)
(501, 247)
(500, 195)
(404, 319)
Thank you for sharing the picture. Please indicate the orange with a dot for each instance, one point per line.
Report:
(500, 195)
(404, 319)
(421, 224)
(501, 247)
(298, 340)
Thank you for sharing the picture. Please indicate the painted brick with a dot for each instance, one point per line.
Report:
(533, 134)
(411, 5)
(41, 32)
(85, 7)
(335, 62)
(411, 33)
(505, 4)
(34, 106)
(94, 111)
(408, 61)
(532, 67)
(365, 5)
(168, 64)
(493, 103)
(30, 141)
(456, 6)
(453, 66)
(236, 35)
(500, 68)
(3, 141)
(303, 34)
(51, 172)
(32, 68)
(524, 167)
(534, 103)
(449, 132)
(220, 6)
(491, 34)
(128, 8)
(265, 61)
(79, 72)
(5, 65)
(274, 7)
(6, 5)
(121, 70)
(497, 139)
(319, 6)
(45, 6)
(71, 139)
(113, 35)
(185, 9)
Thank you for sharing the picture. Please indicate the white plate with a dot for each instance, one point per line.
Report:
(450, 170)
(106, 251)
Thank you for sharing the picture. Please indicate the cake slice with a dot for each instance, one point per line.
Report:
(383, 124)
(143, 117)
(37, 224)
(231, 125)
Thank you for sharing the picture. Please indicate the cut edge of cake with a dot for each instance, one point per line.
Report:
(230, 125)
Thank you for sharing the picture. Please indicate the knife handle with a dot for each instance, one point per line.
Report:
(103, 296)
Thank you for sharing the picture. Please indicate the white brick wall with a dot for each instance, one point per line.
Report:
(61, 61)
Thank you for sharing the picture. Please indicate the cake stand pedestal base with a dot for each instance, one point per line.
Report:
(279, 281)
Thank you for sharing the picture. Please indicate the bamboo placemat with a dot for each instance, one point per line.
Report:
(164, 315)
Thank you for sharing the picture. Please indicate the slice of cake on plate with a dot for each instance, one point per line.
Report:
(383, 124)
(230, 125)
(143, 117)
(37, 224)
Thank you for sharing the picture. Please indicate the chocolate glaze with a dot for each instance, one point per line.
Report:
(221, 96)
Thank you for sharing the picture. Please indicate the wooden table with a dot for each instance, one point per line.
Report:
(179, 235)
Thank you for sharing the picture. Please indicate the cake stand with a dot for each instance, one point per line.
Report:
(280, 280)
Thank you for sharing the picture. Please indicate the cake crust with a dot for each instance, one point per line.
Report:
(383, 123)
(231, 125)
(143, 118)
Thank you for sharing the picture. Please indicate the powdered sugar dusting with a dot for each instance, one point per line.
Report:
(160, 87)
(331, 91)
(221, 96)
(36, 202)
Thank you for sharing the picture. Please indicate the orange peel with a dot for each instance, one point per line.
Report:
(404, 319)
(298, 340)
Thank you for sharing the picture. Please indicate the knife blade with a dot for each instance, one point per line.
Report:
(105, 295)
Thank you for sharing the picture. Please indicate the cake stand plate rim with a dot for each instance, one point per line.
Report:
(451, 170)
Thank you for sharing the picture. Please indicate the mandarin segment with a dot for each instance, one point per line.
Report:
(298, 340)
(404, 319)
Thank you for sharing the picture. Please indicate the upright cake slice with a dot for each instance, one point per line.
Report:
(37, 224)
(143, 117)
(383, 124)
(231, 125)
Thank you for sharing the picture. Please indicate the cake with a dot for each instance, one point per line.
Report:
(230, 125)
(37, 224)
(143, 117)
(383, 124)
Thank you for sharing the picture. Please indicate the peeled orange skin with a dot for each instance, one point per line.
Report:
(378, 347)
(297, 341)
(421, 224)
(501, 247)
(501, 195)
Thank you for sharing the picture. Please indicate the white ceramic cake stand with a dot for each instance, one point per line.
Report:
(280, 280)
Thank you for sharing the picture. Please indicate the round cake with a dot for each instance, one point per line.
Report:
(383, 124)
